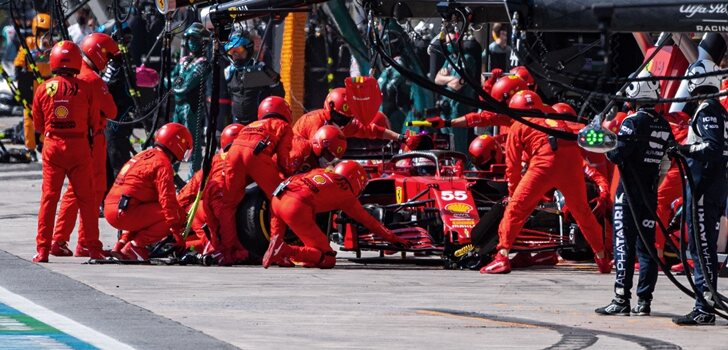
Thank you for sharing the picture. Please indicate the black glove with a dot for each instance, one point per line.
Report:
(677, 150)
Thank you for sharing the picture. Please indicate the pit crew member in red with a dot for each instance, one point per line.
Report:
(64, 111)
(143, 199)
(250, 159)
(326, 147)
(517, 97)
(97, 49)
(197, 239)
(301, 197)
(336, 111)
(552, 164)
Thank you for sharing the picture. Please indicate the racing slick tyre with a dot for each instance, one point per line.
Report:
(580, 251)
(253, 222)
(485, 237)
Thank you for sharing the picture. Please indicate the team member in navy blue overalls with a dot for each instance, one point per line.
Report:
(642, 144)
(707, 152)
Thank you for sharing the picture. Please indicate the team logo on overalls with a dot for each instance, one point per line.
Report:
(61, 112)
(552, 123)
(319, 179)
(51, 88)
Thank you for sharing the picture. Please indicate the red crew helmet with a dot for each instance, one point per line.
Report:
(275, 107)
(564, 108)
(484, 151)
(354, 174)
(175, 138)
(98, 49)
(229, 134)
(329, 139)
(336, 100)
(525, 100)
(65, 56)
(506, 87)
(524, 74)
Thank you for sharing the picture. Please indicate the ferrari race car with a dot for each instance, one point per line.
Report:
(429, 199)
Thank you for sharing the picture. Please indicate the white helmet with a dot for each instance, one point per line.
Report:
(704, 85)
(643, 89)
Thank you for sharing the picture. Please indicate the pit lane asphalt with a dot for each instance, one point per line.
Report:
(370, 306)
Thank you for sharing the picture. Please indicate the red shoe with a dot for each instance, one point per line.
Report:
(41, 256)
(545, 259)
(81, 251)
(60, 249)
(276, 252)
(134, 253)
(97, 254)
(604, 264)
(116, 250)
(678, 268)
(521, 260)
(500, 264)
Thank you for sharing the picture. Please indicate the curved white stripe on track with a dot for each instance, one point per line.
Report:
(60, 322)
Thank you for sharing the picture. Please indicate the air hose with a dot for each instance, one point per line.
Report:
(498, 107)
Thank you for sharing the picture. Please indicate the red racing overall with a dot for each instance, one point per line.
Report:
(147, 180)
(307, 125)
(319, 191)
(64, 111)
(250, 159)
(69, 207)
(547, 169)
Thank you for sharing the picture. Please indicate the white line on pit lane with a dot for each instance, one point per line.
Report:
(60, 322)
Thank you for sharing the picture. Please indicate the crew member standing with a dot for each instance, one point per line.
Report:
(707, 151)
(65, 112)
(642, 143)
(552, 164)
(97, 49)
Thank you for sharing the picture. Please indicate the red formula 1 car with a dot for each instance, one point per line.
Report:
(428, 198)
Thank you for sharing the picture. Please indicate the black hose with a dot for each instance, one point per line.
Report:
(717, 297)
(650, 248)
(517, 115)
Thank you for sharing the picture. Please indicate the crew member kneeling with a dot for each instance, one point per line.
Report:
(297, 201)
(143, 200)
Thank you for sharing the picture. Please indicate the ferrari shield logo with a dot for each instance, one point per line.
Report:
(51, 88)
